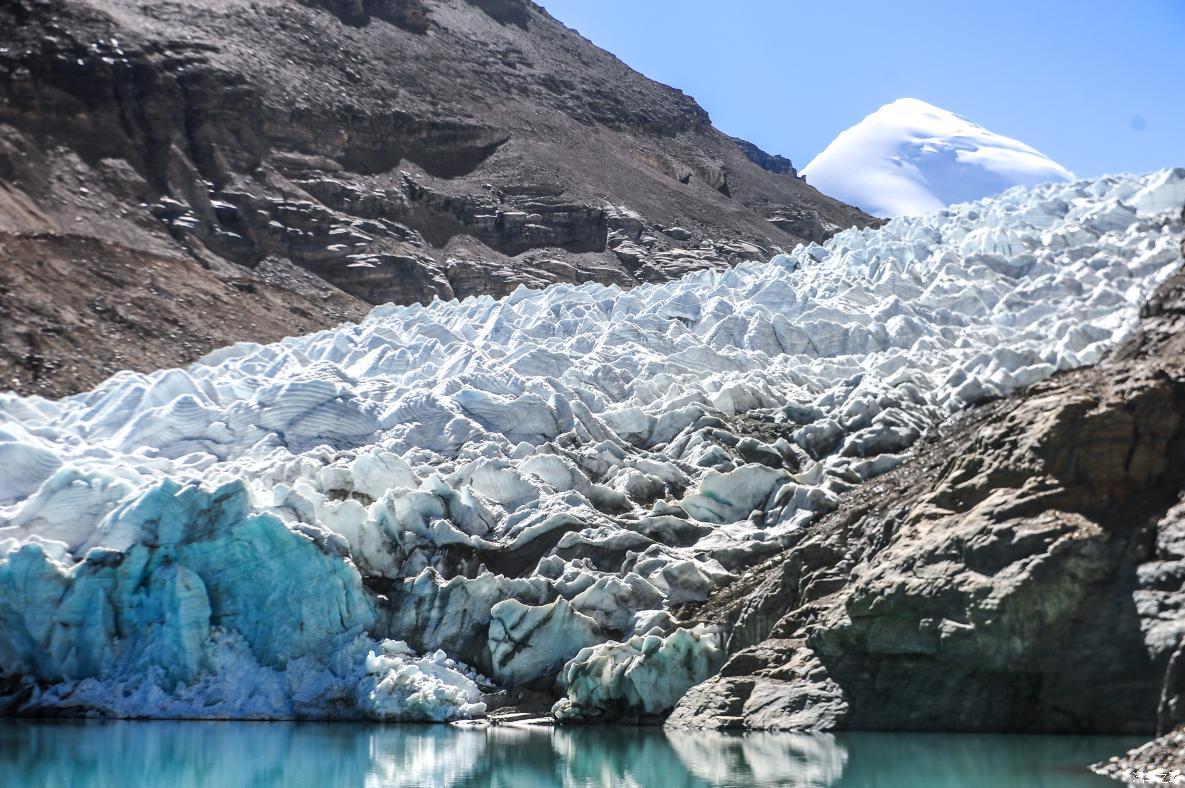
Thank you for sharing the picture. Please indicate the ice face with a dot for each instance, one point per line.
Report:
(279, 530)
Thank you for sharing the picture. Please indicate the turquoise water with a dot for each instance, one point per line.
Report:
(79, 754)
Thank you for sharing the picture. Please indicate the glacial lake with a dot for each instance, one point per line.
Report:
(78, 754)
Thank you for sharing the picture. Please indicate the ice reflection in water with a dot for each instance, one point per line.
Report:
(795, 760)
(230, 755)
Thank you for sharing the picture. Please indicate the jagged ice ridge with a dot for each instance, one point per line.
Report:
(522, 488)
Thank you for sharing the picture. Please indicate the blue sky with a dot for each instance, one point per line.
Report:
(1097, 86)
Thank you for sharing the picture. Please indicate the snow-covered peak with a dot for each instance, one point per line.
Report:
(910, 157)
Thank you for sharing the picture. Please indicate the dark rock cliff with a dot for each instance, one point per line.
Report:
(399, 150)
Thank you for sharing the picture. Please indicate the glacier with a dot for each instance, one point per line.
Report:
(910, 157)
(399, 518)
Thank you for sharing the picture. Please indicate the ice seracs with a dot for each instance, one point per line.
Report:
(646, 674)
(396, 518)
(910, 157)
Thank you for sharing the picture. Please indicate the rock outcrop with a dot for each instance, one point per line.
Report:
(399, 151)
(1023, 571)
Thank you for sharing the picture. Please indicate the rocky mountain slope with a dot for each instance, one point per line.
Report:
(178, 169)
(1023, 571)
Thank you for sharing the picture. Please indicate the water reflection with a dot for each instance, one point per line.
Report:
(278, 754)
(796, 760)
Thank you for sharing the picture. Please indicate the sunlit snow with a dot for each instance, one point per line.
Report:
(910, 158)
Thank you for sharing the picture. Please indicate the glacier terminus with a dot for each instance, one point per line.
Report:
(400, 518)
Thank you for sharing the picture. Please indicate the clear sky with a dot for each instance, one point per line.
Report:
(1099, 86)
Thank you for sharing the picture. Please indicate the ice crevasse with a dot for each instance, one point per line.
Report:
(395, 518)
